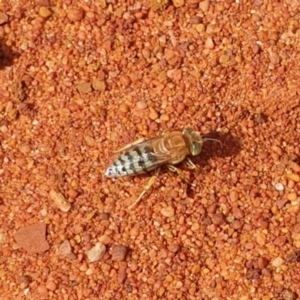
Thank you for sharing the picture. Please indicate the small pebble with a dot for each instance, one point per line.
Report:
(97, 84)
(65, 250)
(51, 285)
(238, 213)
(281, 202)
(195, 227)
(43, 2)
(157, 4)
(288, 295)
(124, 81)
(277, 262)
(262, 262)
(279, 186)
(212, 208)
(196, 20)
(90, 141)
(180, 107)
(133, 266)
(168, 211)
(174, 248)
(196, 268)
(75, 14)
(209, 43)
(96, 253)
(224, 58)
(295, 167)
(193, 3)
(234, 196)
(84, 87)
(296, 228)
(24, 148)
(164, 117)
(32, 238)
(294, 177)
(292, 196)
(277, 149)
(119, 252)
(60, 201)
(280, 241)
(43, 292)
(3, 18)
(102, 3)
(204, 5)
(122, 273)
(44, 12)
(152, 113)
(104, 216)
(217, 219)
(277, 277)
(200, 27)
(124, 108)
(141, 104)
(237, 224)
(178, 3)
(177, 75)
(104, 239)
(72, 193)
(260, 238)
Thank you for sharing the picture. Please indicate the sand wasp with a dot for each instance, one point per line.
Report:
(144, 155)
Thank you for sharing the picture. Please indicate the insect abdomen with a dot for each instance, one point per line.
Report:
(135, 161)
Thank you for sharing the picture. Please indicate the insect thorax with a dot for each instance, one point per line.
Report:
(172, 144)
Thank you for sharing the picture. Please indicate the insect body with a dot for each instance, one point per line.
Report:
(144, 155)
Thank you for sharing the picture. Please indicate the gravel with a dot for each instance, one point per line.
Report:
(80, 79)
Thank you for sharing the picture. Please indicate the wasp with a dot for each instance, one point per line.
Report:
(144, 155)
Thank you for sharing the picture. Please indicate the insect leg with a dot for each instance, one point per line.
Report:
(146, 189)
(132, 144)
(190, 164)
(181, 175)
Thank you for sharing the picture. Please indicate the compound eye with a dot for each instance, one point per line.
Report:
(196, 149)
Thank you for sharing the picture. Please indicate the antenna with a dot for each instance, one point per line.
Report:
(213, 140)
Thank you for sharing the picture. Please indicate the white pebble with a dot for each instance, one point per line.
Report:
(277, 262)
(279, 186)
(96, 253)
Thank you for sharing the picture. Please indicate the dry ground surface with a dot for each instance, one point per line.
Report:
(80, 79)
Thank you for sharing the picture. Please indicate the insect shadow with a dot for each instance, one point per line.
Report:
(7, 56)
(231, 146)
